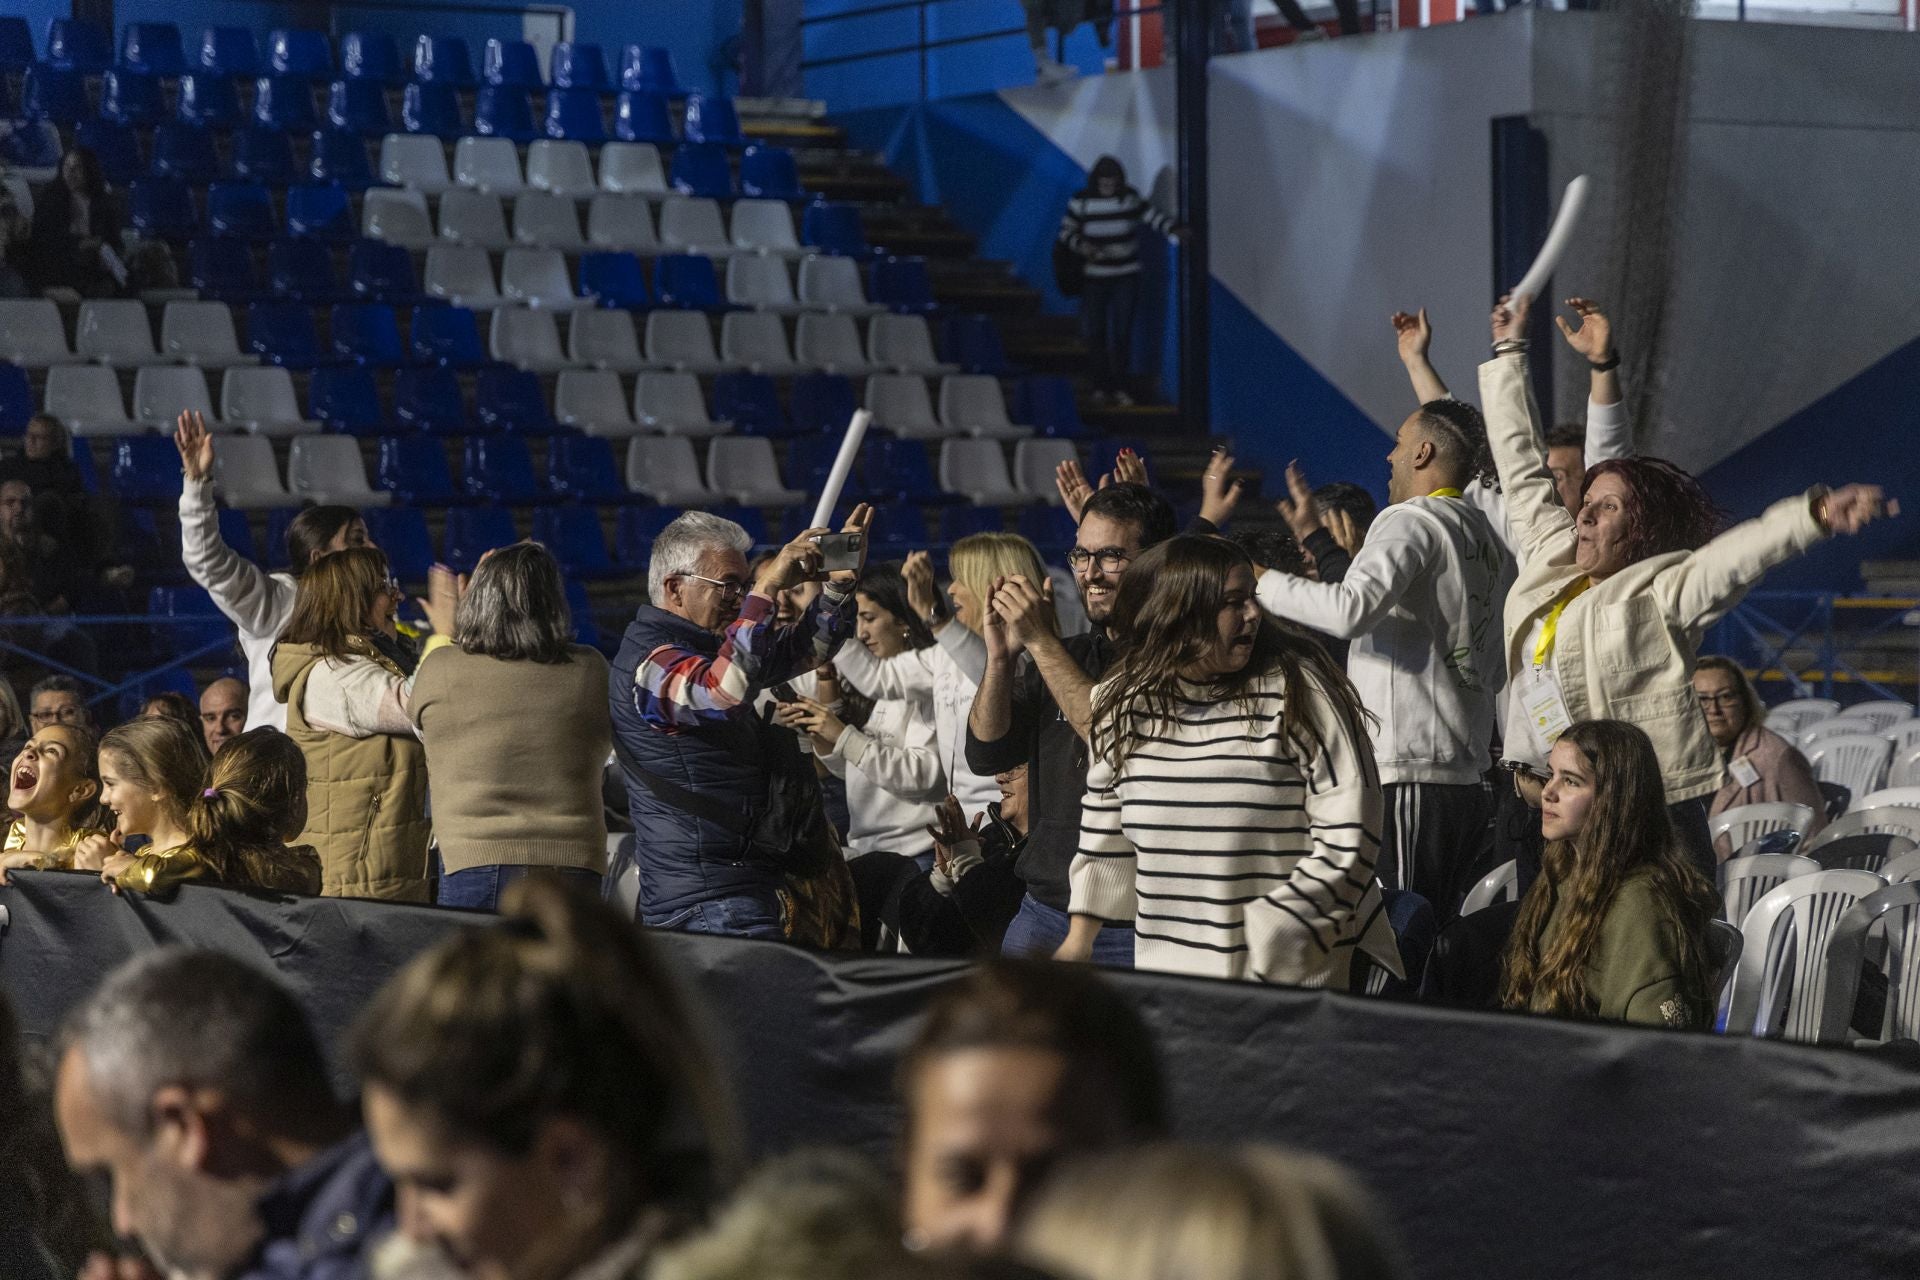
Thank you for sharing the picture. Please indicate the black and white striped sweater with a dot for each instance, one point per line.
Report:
(1105, 230)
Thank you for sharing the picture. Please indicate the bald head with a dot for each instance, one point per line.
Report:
(223, 711)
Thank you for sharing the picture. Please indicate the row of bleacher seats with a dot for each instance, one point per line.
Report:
(1865, 747)
(156, 49)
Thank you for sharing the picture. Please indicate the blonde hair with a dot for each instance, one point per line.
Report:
(1179, 1211)
(976, 560)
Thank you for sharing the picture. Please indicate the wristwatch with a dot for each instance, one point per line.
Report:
(1608, 365)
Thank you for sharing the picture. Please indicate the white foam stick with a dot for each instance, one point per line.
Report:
(842, 467)
(1564, 223)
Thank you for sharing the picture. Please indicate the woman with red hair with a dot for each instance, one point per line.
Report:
(1605, 619)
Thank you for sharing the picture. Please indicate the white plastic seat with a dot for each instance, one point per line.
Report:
(593, 401)
(1894, 912)
(415, 160)
(561, 167)
(1903, 736)
(972, 404)
(665, 470)
(622, 222)
(1906, 768)
(689, 225)
(488, 164)
(1902, 867)
(1795, 714)
(632, 168)
(1856, 761)
(1743, 881)
(396, 215)
(831, 343)
(833, 284)
(161, 393)
(246, 476)
(1780, 986)
(1502, 884)
(683, 340)
(977, 469)
(760, 282)
(201, 333)
(547, 220)
(764, 226)
(604, 340)
(1882, 714)
(473, 217)
(538, 278)
(86, 397)
(32, 334)
(462, 274)
(743, 468)
(117, 332)
(1891, 809)
(328, 469)
(1840, 726)
(903, 344)
(671, 403)
(261, 400)
(1034, 462)
(899, 403)
(1746, 822)
(527, 339)
(757, 340)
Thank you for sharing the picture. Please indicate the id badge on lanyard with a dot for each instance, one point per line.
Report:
(1546, 709)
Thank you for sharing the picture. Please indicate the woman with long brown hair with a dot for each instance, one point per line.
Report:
(1233, 809)
(1617, 925)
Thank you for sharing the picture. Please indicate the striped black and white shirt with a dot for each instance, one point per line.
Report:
(1236, 851)
(1105, 230)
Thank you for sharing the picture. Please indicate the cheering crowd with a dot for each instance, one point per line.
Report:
(1251, 755)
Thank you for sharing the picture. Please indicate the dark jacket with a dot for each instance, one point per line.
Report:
(323, 1218)
(973, 918)
(54, 255)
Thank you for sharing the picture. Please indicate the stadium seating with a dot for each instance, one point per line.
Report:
(74, 44)
(16, 44)
(702, 169)
(398, 217)
(499, 469)
(683, 340)
(447, 336)
(751, 401)
(632, 168)
(261, 400)
(432, 110)
(583, 468)
(641, 116)
(32, 334)
(693, 226)
(488, 164)
(401, 532)
(667, 471)
(368, 334)
(370, 55)
(671, 403)
(511, 62)
(544, 220)
(576, 539)
(592, 401)
(345, 400)
(185, 152)
(201, 333)
(285, 103)
(648, 69)
(712, 119)
(561, 167)
(756, 341)
(429, 400)
(152, 48)
(204, 99)
(686, 281)
(574, 114)
(604, 339)
(502, 111)
(129, 97)
(473, 218)
(240, 209)
(614, 280)
(512, 401)
(282, 332)
(328, 469)
(340, 156)
(229, 51)
(263, 154)
(245, 475)
(321, 210)
(115, 332)
(760, 282)
(622, 222)
(87, 399)
(443, 60)
(384, 271)
(416, 161)
(769, 173)
(474, 531)
(300, 52)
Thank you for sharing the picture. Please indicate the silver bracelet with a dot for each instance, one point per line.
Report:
(1508, 346)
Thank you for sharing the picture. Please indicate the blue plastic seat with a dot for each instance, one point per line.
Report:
(262, 153)
(574, 536)
(711, 118)
(378, 270)
(751, 402)
(640, 115)
(432, 108)
(77, 45)
(499, 469)
(16, 44)
(6, 103)
(131, 97)
(901, 469)
(229, 51)
(161, 207)
(401, 534)
(282, 333)
(414, 469)
(585, 629)
(33, 144)
(347, 400)
(769, 173)
(972, 341)
(303, 270)
(502, 111)
(511, 400)
(114, 146)
(209, 101)
(650, 69)
(17, 402)
(833, 228)
(702, 170)
(903, 285)
(447, 336)
(442, 60)
(184, 151)
(240, 209)
(370, 55)
(511, 63)
(577, 65)
(686, 281)
(285, 103)
(616, 278)
(1048, 404)
(146, 471)
(367, 333)
(898, 529)
(1051, 529)
(429, 400)
(221, 267)
(195, 627)
(237, 532)
(474, 531)
(299, 52)
(574, 114)
(57, 95)
(809, 459)
(152, 48)
(359, 106)
(320, 209)
(964, 520)
(579, 467)
(822, 402)
(634, 532)
(340, 155)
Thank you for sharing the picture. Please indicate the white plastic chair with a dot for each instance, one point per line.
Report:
(593, 401)
(526, 339)
(1746, 822)
(32, 334)
(488, 164)
(473, 218)
(328, 469)
(397, 215)
(462, 274)
(548, 221)
(261, 400)
(561, 167)
(764, 226)
(1729, 944)
(743, 468)
(1882, 714)
(1745, 880)
(1502, 884)
(760, 282)
(201, 333)
(683, 340)
(1894, 910)
(632, 168)
(1907, 797)
(1034, 462)
(671, 403)
(665, 470)
(622, 222)
(604, 340)
(115, 332)
(1795, 714)
(1780, 986)
(1905, 772)
(833, 284)
(1856, 761)
(86, 398)
(1904, 735)
(246, 476)
(830, 342)
(978, 470)
(161, 393)
(1901, 867)
(756, 340)
(415, 160)
(1840, 726)
(972, 404)
(1877, 819)
(690, 225)
(903, 344)
(538, 278)
(899, 403)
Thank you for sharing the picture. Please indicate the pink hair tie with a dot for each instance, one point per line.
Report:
(209, 793)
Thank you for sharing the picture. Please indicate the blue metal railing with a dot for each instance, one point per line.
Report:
(1769, 627)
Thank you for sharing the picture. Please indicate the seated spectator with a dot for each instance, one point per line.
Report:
(59, 700)
(192, 1081)
(77, 224)
(1616, 926)
(151, 771)
(962, 905)
(46, 1229)
(14, 231)
(46, 462)
(1243, 1213)
(513, 716)
(807, 1215)
(254, 802)
(55, 788)
(223, 712)
(1762, 766)
(541, 1095)
(1019, 1064)
(346, 707)
(171, 704)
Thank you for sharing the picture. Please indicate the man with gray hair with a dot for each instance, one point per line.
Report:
(194, 1082)
(724, 802)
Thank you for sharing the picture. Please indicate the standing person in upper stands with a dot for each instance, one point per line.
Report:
(1762, 766)
(1102, 225)
(1609, 607)
(724, 803)
(1058, 15)
(1232, 803)
(223, 711)
(1421, 603)
(259, 603)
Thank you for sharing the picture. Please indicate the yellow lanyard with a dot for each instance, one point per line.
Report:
(1447, 492)
(1544, 648)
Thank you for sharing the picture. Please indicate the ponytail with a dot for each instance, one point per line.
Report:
(254, 799)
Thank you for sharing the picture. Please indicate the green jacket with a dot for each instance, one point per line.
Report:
(1634, 972)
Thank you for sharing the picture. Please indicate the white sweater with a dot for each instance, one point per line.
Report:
(258, 602)
(938, 674)
(1422, 604)
(893, 774)
(1236, 852)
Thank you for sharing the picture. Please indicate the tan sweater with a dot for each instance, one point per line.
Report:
(515, 752)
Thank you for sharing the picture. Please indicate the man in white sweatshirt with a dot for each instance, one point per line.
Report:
(1422, 603)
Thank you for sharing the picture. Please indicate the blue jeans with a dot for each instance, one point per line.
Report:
(479, 888)
(1038, 930)
(741, 915)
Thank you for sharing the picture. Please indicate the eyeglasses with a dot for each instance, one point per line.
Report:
(65, 715)
(725, 586)
(1112, 559)
(1710, 700)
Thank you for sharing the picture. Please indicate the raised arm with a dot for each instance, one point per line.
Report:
(1609, 432)
(1027, 611)
(1400, 549)
(244, 591)
(1540, 526)
(1415, 335)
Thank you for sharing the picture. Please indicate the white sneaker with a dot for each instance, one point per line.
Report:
(1051, 73)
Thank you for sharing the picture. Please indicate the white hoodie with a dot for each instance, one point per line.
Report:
(258, 602)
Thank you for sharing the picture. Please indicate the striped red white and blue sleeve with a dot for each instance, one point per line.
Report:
(675, 688)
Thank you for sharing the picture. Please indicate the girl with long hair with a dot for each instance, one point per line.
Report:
(54, 787)
(1233, 809)
(253, 804)
(150, 772)
(1617, 925)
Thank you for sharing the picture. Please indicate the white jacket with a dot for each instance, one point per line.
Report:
(935, 673)
(1609, 435)
(258, 602)
(1422, 606)
(1625, 648)
(893, 775)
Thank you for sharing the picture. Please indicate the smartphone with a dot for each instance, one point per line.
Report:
(783, 692)
(839, 552)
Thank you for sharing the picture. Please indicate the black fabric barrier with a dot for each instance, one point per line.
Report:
(1502, 1146)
